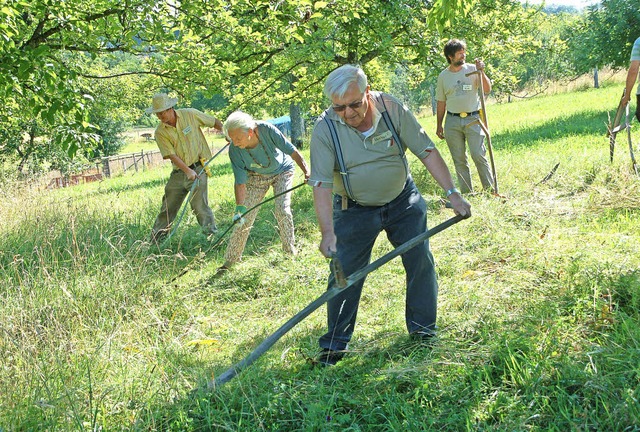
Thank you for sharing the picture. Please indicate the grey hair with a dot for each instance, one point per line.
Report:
(340, 79)
(238, 120)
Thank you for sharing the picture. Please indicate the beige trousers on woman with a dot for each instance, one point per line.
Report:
(257, 187)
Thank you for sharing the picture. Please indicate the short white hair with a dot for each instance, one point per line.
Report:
(340, 79)
(238, 120)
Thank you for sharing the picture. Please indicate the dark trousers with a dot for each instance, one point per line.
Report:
(356, 229)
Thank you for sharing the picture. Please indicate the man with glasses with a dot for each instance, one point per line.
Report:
(362, 186)
(457, 97)
(180, 139)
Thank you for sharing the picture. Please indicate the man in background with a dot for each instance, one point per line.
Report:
(180, 139)
(261, 158)
(457, 96)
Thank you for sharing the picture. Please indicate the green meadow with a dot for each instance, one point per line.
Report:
(539, 302)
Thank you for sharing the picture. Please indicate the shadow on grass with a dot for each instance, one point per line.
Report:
(118, 189)
(590, 123)
(218, 170)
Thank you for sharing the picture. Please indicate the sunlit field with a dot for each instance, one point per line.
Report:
(539, 302)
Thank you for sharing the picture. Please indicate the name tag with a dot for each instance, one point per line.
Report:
(385, 136)
(467, 87)
(186, 130)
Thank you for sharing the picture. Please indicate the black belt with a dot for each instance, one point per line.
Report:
(463, 114)
(194, 165)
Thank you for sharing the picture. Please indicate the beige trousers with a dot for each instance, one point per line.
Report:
(456, 130)
(257, 187)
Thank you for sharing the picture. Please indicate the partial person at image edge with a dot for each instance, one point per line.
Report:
(632, 76)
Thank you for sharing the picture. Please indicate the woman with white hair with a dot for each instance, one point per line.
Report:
(261, 157)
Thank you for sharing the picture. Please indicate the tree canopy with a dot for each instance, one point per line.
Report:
(73, 72)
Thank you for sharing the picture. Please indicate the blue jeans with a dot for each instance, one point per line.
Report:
(356, 229)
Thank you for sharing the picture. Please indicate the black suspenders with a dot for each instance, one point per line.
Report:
(336, 144)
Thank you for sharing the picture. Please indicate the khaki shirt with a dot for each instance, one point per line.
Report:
(460, 92)
(376, 170)
(186, 140)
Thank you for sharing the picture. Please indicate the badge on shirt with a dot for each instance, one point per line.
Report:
(385, 136)
(186, 130)
(467, 87)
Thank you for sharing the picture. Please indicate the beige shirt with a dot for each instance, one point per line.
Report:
(186, 140)
(376, 170)
(460, 92)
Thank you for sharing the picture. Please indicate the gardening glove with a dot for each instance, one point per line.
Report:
(237, 214)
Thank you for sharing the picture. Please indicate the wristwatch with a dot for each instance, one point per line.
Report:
(452, 191)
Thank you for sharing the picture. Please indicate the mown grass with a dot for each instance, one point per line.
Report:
(538, 311)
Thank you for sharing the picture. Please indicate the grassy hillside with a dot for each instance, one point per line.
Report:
(539, 307)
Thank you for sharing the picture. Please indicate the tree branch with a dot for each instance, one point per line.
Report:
(38, 37)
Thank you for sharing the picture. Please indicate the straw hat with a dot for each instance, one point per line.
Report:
(160, 103)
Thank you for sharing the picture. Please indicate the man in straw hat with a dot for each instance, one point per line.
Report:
(180, 139)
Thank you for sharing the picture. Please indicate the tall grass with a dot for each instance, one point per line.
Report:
(538, 311)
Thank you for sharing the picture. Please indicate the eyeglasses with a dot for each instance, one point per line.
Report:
(352, 105)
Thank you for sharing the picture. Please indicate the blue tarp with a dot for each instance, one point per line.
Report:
(283, 123)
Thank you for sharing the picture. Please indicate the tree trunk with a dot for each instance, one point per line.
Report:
(297, 125)
(295, 112)
(434, 103)
(595, 77)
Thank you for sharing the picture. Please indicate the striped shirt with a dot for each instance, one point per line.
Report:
(186, 140)
(635, 51)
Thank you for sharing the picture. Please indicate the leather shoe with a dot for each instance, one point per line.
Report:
(427, 337)
(221, 270)
(329, 357)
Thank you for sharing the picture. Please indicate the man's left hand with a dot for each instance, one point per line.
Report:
(460, 205)
(479, 64)
(238, 214)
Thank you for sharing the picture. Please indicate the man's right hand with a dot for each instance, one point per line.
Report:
(192, 174)
(440, 132)
(328, 245)
(625, 100)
